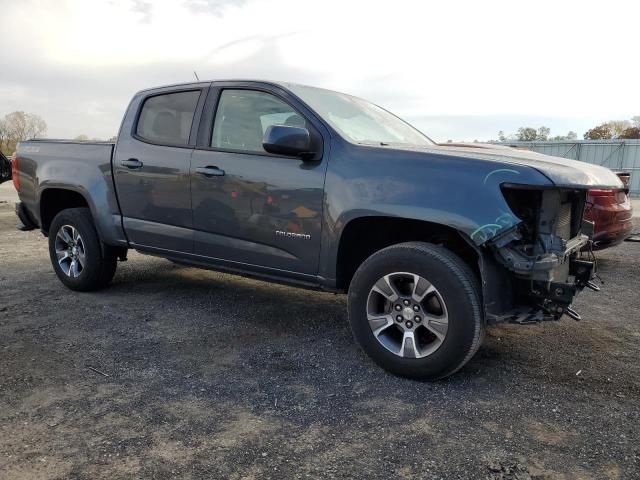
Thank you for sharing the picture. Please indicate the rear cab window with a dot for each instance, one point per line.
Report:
(166, 119)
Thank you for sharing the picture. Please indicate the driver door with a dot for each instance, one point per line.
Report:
(252, 209)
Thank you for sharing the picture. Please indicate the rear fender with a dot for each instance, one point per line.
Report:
(108, 226)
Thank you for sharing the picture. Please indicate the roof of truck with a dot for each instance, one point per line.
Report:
(204, 83)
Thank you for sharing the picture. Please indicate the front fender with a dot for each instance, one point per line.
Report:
(461, 193)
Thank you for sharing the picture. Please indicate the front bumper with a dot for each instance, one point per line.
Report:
(538, 301)
(537, 266)
(541, 287)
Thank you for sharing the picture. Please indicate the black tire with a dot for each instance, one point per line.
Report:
(458, 287)
(100, 260)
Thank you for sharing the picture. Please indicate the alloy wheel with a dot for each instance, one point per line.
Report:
(70, 251)
(407, 315)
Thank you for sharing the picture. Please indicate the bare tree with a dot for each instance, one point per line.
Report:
(618, 126)
(19, 126)
(23, 126)
(4, 136)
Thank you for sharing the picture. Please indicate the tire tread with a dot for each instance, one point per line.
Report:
(99, 272)
(468, 280)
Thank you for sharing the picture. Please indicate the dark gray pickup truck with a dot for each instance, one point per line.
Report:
(323, 190)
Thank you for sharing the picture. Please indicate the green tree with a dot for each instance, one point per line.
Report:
(569, 136)
(527, 134)
(543, 133)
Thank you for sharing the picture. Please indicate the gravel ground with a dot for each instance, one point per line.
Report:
(207, 375)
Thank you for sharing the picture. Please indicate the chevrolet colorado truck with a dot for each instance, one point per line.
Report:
(323, 190)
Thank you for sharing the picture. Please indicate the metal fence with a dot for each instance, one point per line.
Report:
(614, 154)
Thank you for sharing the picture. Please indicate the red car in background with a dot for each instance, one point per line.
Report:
(611, 213)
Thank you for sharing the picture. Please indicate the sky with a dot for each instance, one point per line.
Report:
(459, 70)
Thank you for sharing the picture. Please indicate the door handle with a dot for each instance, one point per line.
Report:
(132, 163)
(210, 171)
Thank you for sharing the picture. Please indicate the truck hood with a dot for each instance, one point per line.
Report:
(561, 171)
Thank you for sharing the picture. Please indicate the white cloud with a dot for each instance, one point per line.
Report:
(77, 62)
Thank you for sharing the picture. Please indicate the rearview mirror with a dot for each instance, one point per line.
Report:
(286, 140)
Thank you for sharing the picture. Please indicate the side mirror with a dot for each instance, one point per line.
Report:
(286, 140)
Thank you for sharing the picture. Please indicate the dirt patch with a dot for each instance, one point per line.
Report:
(208, 379)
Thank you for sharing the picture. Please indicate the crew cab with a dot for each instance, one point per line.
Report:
(322, 190)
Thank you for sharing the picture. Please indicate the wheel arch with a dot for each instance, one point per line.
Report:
(54, 199)
(365, 235)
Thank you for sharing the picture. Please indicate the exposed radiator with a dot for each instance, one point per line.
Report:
(563, 226)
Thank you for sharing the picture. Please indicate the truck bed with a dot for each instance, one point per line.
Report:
(52, 163)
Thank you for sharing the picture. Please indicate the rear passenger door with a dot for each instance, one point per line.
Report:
(151, 168)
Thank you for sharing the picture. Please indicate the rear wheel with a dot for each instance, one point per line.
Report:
(80, 260)
(415, 310)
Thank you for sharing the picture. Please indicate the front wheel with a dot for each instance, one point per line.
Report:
(80, 260)
(414, 308)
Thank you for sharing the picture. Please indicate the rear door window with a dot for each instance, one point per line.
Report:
(167, 119)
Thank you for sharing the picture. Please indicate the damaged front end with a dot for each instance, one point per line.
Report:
(541, 255)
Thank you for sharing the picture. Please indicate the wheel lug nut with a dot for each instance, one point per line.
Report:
(417, 319)
(416, 308)
(399, 318)
(406, 302)
(409, 324)
(398, 307)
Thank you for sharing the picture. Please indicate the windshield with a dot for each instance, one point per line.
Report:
(358, 120)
